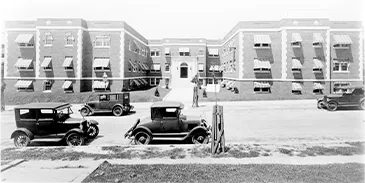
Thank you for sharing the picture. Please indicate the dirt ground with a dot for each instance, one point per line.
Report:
(269, 122)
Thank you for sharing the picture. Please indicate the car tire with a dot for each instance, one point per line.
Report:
(199, 137)
(319, 104)
(332, 106)
(117, 111)
(21, 140)
(142, 138)
(93, 131)
(362, 105)
(84, 111)
(74, 139)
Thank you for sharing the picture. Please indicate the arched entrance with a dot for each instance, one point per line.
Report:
(184, 70)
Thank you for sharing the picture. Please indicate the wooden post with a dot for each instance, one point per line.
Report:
(195, 97)
(218, 141)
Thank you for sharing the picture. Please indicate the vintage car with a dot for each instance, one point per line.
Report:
(51, 120)
(351, 97)
(117, 102)
(168, 123)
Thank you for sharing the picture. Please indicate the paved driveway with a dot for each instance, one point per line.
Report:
(245, 122)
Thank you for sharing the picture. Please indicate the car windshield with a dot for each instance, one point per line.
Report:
(348, 91)
(64, 111)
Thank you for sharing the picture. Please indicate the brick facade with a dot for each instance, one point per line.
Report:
(236, 53)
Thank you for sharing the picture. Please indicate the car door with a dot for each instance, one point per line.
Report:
(356, 96)
(112, 101)
(169, 121)
(156, 117)
(104, 102)
(27, 119)
(345, 99)
(45, 122)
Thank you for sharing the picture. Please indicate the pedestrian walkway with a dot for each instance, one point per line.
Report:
(182, 92)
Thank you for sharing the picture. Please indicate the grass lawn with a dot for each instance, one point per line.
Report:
(60, 96)
(106, 172)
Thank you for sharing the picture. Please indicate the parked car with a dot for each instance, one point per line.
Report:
(51, 120)
(168, 123)
(117, 102)
(352, 97)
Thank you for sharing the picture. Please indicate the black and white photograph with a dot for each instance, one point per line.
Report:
(182, 91)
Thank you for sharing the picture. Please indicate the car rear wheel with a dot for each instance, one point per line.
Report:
(117, 111)
(200, 138)
(362, 105)
(332, 106)
(74, 139)
(21, 140)
(142, 138)
(84, 111)
(93, 131)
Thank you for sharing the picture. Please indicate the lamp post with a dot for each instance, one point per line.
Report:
(105, 80)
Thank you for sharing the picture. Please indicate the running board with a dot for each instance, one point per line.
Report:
(168, 138)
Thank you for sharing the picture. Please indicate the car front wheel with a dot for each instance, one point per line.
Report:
(21, 140)
(84, 111)
(93, 131)
(142, 138)
(200, 138)
(117, 111)
(319, 104)
(332, 106)
(74, 139)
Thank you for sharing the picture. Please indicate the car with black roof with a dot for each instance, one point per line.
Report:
(51, 120)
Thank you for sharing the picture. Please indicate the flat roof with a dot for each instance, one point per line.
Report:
(352, 86)
(162, 104)
(43, 105)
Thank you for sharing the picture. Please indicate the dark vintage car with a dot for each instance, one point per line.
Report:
(117, 102)
(51, 120)
(352, 96)
(168, 123)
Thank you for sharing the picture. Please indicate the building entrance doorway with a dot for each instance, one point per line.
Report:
(184, 70)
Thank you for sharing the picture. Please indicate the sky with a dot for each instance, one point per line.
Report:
(156, 19)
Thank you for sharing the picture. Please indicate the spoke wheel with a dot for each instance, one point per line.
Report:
(332, 106)
(200, 138)
(93, 131)
(84, 111)
(21, 140)
(142, 138)
(74, 139)
(117, 111)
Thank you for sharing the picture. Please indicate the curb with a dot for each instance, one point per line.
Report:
(83, 176)
(12, 164)
(167, 95)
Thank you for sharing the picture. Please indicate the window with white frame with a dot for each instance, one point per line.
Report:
(48, 39)
(213, 52)
(201, 67)
(155, 53)
(158, 81)
(139, 66)
(341, 65)
(69, 39)
(47, 85)
(184, 54)
(317, 45)
(296, 44)
(210, 81)
(262, 87)
(167, 67)
(130, 45)
(337, 87)
(47, 66)
(152, 81)
(70, 88)
(156, 67)
(68, 65)
(26, 45)
(102, 41)
(103, 64)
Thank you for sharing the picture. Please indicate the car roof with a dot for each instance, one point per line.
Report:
(43, 105)
(165, 104)
(112, 93)
(352, 86)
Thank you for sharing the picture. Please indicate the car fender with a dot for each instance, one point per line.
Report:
(198, 128)
(93, 122)
(118, 105)
(75, 130)
(87, 106)
(141, 128)
(23, 130)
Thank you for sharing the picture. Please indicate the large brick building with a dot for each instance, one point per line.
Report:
(290, 57)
